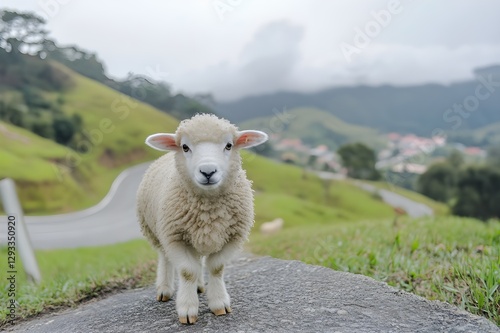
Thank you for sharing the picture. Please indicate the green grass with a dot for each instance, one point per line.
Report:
(71, 276)
(19, 147)
(449, 259)
(54, 179)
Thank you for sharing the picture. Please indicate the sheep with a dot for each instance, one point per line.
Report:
(196, 203)
(272, 227)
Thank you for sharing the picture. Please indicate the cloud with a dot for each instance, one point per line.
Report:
(269, 59)
(265, 64)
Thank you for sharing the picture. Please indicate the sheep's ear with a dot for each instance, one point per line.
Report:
(162, 141)
(247, 139)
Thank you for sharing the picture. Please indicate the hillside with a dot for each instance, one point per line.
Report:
(316, 127)
(54, 178)
(405, 109)
(483, 136)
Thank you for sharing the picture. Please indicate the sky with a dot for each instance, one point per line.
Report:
(236, 48)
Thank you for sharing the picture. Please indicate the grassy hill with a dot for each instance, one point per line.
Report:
(52, 178)
(316, 127)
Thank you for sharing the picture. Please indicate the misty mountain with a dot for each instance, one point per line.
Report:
(421, 109)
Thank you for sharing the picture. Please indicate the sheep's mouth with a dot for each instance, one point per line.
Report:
(209, 183)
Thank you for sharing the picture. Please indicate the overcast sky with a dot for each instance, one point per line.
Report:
(234, 48)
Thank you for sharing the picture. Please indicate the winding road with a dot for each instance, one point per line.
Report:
(113, 220)
(412, 208)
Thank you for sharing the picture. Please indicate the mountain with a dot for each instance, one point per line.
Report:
(315, 127)
(411, 109)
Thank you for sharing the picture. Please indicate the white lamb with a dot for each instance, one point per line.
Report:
(197, 202)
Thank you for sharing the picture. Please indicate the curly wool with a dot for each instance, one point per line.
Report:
(204, 128)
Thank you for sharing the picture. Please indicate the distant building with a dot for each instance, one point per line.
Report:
(417, 169)
(475, 152)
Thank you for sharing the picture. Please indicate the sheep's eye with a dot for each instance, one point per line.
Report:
(185, 148)
(229, 146)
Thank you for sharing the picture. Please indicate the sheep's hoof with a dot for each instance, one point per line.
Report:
(161, 297)
(223, 311)
(188, 320)
(201, 290)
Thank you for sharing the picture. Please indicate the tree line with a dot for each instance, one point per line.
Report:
(470, 190)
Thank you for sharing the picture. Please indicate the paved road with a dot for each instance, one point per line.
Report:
(111, 221)
(270, 295)
(414, 209)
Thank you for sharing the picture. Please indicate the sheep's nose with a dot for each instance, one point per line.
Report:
(208, 170)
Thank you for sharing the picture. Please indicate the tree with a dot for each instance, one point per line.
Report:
(455, 159)
(21, 32)
(359, 160)
(438, 182)
(64, 129)
(494, 156)
(478, 193)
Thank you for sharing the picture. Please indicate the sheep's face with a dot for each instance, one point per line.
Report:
(208, 163)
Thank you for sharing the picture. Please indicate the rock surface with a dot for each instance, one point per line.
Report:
(270, 295)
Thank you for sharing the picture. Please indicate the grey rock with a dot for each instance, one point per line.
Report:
(270, 295)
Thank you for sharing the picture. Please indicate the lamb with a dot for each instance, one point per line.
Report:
(196, 203)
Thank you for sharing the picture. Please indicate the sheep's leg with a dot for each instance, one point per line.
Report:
(201, 281)
(164, 278)
(218, 298)
(188, 266)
